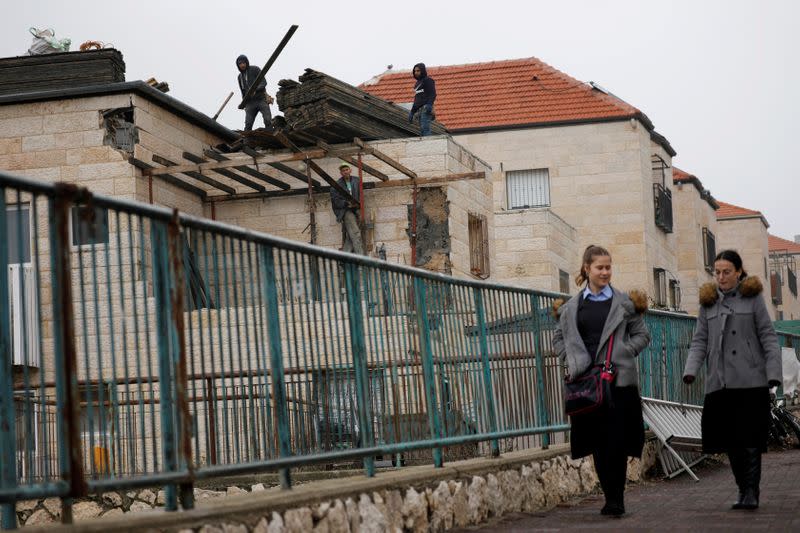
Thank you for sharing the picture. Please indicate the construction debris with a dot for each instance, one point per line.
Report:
(45, 42)
(320, 106)
(60, 71)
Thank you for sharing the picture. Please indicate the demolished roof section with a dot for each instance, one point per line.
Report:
(320, 107)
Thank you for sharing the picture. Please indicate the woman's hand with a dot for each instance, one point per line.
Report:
(688, 379)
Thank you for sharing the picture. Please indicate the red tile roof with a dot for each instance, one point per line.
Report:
(505, 93)
(730, 211)
(727, 210)
(681, 176)
(776, 244)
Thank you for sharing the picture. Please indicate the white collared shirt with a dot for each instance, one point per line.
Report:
(605, 294)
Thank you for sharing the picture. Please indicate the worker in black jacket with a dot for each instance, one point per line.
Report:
(424, 96)
(259, 100)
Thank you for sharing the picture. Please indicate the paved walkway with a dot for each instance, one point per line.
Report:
(681, 504)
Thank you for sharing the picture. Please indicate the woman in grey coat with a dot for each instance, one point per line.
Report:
(586, 322)
(735, 339)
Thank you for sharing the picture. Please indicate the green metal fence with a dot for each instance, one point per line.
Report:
(143, 347)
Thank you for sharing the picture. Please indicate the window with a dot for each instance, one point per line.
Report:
(709, 250)
(18, 233)
(563, 281)
(478, 245)
(528, 188)
(792, 277)
(662, 196)
(775, 283)
(660, 287)
(89, 225)
(675, 294)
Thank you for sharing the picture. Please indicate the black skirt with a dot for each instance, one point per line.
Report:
(610, 429)
(736, 418)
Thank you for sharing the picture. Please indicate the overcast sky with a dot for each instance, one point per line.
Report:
(717, 78)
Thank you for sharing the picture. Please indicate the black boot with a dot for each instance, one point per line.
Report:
(736, 457)
(612, 473)
(751, 473)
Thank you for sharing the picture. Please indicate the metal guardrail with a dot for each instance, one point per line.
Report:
(172, 348)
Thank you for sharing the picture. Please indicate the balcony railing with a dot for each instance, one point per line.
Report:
(662, 200)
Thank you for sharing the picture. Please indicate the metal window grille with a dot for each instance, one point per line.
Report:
(563, 281)
(478, 245)
(662, 200)
(709, 250)
(792, 277)
(675, 294)
(528, 188)
(659, 168)
(660, 287)
(775, 283)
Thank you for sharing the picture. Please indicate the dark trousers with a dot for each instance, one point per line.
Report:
(611, 466)
(252, 108)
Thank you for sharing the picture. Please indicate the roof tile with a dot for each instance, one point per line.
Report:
(777, 244)
(504, 93)
(727, 210)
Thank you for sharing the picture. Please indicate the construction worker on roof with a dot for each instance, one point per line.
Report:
(260, 100)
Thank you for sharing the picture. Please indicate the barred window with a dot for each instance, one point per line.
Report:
(528, 188)
(478, 245)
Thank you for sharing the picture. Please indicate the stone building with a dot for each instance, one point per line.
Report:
(572, 165)
(783, 257)
(745, 230)
(695, 231)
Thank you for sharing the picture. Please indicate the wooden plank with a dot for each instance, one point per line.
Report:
(430, 181)
(232, 163)
(286, 169)
(353, 161)
(268, 64)
(196, 175)
(385, 158)
(169, 178)
(250, 171)
(316, 168)
(227, 173)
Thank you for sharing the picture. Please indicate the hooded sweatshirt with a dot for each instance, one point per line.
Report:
(246, 78)
(424, 89)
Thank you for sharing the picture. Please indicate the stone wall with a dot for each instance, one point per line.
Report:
(436, 505)
(692, 214)
(748, 236)
(600, 185)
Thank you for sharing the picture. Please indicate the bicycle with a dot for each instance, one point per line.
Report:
(784, 426)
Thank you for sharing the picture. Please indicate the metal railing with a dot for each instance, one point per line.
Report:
(172, 348)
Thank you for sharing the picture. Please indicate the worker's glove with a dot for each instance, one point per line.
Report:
(270, 100)
(429, 108)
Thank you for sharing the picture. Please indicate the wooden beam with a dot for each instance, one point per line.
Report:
(351, 160)
(367, 186)
(319, 170)
(429, 181)
(196, 175)
(385, 158)
(232, 163)
(247, 170)
(169, 178)
(286, 169)
(227, 173)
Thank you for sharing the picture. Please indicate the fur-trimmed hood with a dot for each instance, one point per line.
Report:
(749, 287)
(637, 297)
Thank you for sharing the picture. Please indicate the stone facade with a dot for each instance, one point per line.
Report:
(600, 186)
(693, 214)
(748, 236)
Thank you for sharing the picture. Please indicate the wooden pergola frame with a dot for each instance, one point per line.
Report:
(244, 168)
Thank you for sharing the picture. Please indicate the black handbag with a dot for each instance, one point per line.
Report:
(587, 392)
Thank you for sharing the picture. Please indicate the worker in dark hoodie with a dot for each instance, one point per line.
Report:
(260, 100)
(424, 96)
